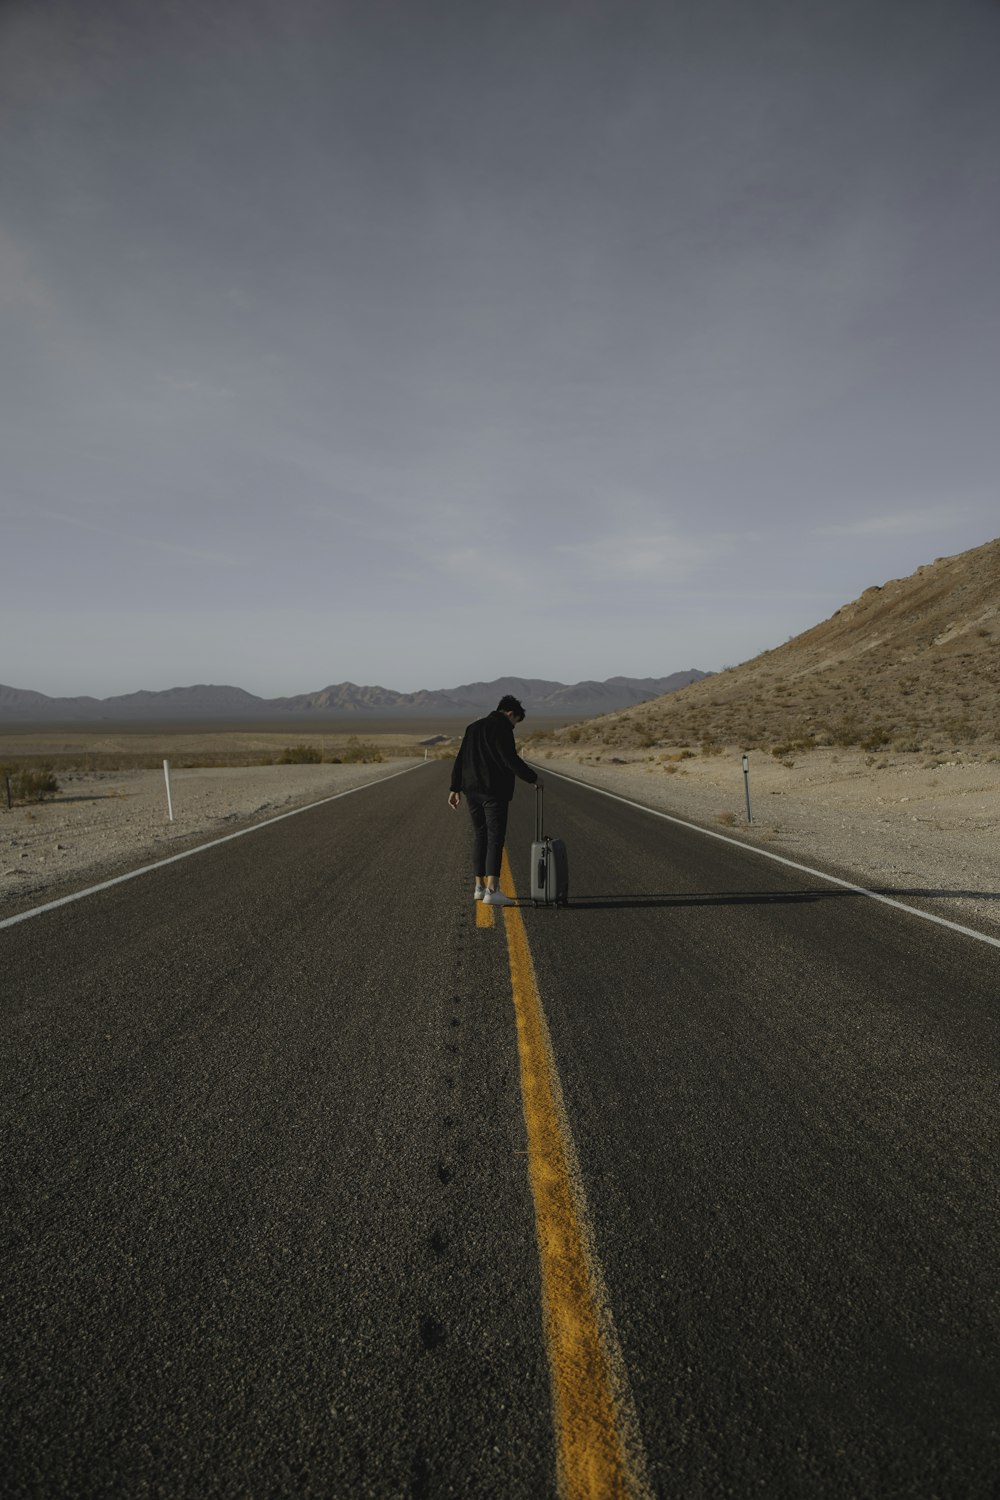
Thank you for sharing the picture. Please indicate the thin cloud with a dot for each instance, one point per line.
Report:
(643, 555)
(483, 571)
(196, 386)
(898, 523)
(21, 288)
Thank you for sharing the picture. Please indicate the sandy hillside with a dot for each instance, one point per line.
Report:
(913, 664)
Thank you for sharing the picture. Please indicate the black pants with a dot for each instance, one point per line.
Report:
(489, 829)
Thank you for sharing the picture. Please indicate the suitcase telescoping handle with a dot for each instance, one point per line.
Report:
(538, 813)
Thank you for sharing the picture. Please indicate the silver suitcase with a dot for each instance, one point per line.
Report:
(549, 864)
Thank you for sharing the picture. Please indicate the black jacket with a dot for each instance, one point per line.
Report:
(488, 761)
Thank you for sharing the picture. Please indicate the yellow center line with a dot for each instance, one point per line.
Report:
(598, 1447)
(484, 915)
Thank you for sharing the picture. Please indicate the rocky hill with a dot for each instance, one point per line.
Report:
(538, 695)
(219, 703)
(912, 664)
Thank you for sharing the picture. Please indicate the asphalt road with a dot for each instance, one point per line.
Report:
(267, 1227)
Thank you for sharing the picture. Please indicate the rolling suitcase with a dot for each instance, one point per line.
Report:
(549, 864)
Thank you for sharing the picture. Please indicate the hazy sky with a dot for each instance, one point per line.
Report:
(416, 342)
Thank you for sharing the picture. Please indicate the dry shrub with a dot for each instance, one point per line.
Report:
(30, 785)
(300, 755)
(358, 752)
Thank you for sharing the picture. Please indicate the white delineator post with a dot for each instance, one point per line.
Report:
(746, 783)
(166, 777)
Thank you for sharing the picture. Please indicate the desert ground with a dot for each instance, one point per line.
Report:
(105, 821)
(137, 747)
(903, 823)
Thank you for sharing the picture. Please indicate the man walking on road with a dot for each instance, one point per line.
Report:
(484, 770)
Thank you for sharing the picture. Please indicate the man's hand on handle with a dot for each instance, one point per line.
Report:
(455, 798)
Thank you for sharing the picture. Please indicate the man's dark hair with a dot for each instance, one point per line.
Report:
(510, 705)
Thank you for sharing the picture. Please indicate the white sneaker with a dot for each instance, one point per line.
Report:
(497, 898)
(479, 892)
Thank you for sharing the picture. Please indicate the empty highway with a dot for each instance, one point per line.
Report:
(320, 1183)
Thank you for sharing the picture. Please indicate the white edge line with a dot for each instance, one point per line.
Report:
(859, 890)
(172, 859)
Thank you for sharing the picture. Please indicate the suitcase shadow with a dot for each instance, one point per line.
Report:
(709, 898)
(767, 898)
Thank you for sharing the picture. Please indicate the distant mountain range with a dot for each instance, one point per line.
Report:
(189, 704)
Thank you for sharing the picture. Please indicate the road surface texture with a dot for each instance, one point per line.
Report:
(271, 1177)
